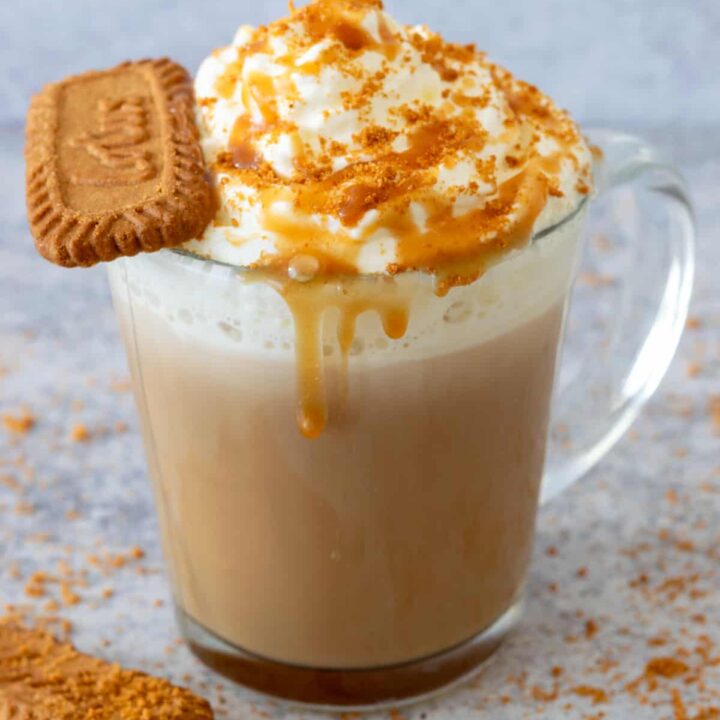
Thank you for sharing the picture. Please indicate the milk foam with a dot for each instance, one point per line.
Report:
(215, 306)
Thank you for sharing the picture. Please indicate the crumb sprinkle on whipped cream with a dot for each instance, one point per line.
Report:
(372, 147)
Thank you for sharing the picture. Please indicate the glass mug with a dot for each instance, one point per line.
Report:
(387, 558)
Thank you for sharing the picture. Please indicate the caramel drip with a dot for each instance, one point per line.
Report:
(346, 328)
(468, 243)
(259, 90)
(308, 302)
(358, 200)
(386, 35)
(437, 53)
(243, 153)
(346, 336)
(227, 82)
(312, 402)
(395, 321)
(332, 283)
(336, 256)
(351, 36)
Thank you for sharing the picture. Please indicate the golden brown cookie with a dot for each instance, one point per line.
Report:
(44, 679)
(114, 164)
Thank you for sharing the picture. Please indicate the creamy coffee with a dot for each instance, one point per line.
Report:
(405, 529)
(406, 526)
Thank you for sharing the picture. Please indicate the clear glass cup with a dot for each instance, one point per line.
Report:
(386, 558)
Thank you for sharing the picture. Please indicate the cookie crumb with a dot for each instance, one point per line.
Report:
(20, 424)
(48, 679)
(79, 433)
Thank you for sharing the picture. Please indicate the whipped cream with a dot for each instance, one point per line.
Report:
(376, 148)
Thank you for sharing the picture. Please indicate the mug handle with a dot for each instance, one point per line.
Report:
(606, 392)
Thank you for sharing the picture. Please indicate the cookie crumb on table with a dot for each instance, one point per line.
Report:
(45, 679)
(21, 423)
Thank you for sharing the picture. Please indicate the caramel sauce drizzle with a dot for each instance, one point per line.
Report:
(227, 82)
(308, 302)
(315, 268)
(331, 283)
(243, 152)
(452, 249)
(312, 402)
(259, 91)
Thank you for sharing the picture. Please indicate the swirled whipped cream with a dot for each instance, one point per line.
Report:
(343, 138)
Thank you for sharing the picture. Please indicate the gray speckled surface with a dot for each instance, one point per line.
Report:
(644, 525)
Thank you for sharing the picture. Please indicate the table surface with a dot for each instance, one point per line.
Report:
(625, 571)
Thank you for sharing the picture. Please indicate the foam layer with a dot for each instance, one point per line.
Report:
(217, 305)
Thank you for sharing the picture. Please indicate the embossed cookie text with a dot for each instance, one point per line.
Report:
(119, 145)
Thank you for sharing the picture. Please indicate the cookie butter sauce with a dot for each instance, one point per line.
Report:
(344, 145)
(352, 299)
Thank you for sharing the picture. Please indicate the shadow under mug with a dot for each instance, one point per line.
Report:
(387, 560)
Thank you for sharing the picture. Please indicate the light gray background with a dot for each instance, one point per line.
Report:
(649, 65)
(632, 62)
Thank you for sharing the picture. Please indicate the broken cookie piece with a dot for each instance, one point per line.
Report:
(42, 678)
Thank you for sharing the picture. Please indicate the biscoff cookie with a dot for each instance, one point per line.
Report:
(114, 165)
(44, 679)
